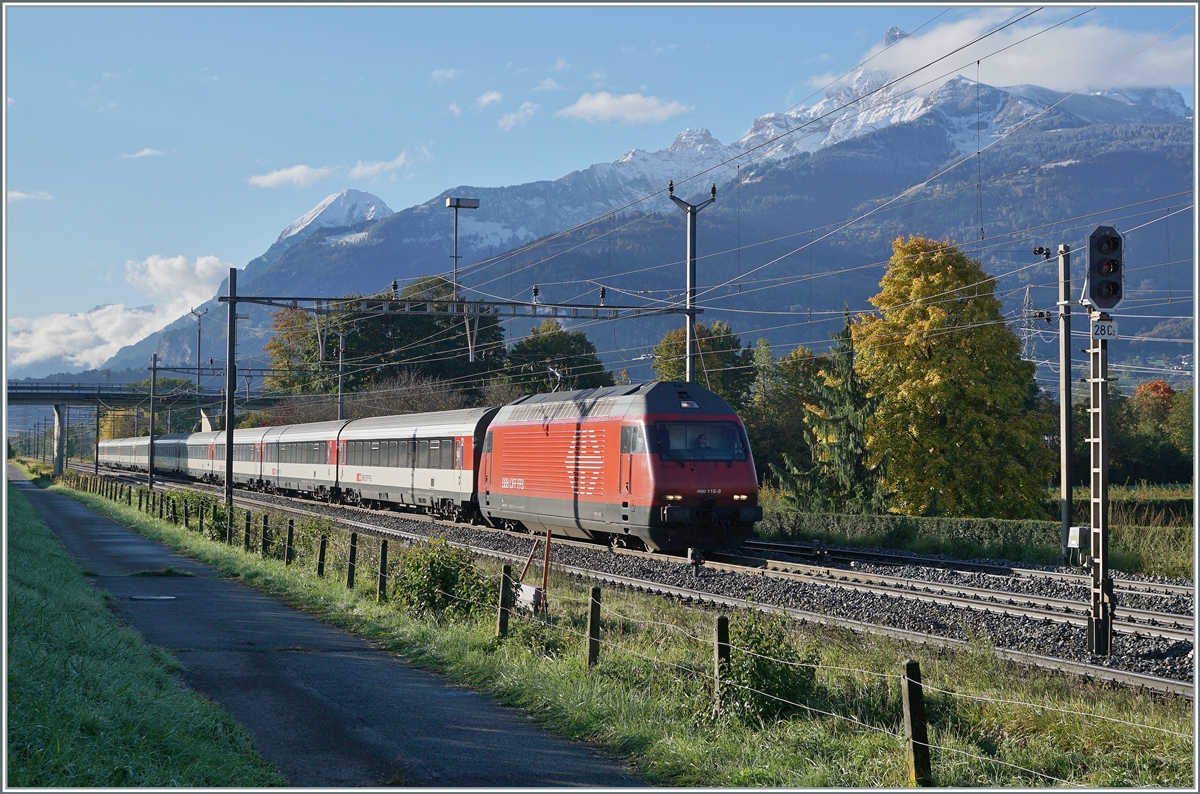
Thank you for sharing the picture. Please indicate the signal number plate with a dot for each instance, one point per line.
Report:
(1104, 329)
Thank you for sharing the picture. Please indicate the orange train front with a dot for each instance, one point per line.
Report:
(664, 464)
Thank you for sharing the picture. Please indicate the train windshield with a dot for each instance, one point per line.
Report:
(701, 441)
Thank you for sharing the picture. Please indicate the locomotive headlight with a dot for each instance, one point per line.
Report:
(673, 498)
(740, 497)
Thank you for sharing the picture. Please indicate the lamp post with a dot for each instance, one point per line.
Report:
(465, 204)
(199, 316)
(691, 210)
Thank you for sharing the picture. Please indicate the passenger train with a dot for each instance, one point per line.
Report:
(664, 466)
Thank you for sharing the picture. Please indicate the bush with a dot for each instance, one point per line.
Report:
(767, 674)
(437, 579)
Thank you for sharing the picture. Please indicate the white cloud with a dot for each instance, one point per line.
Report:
(1065, 59)
(147, 152)
(37, 195)
(489, 98)
(454, 109)
(546, 85)
(88, 339)
(297, 176)
(627, 108)
(445, 75)
(371, 170)
(518, 117)
(109, 106)
(559, 65)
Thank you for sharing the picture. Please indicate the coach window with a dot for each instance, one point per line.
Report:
(447, 453)
(435, 453)
(423, 454)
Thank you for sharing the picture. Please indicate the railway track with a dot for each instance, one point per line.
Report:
(820, 552)
(1166, 627)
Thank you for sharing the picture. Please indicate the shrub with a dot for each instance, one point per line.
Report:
(437, 579)
(767, 674)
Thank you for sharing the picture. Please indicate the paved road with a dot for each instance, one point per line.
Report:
(326, 708)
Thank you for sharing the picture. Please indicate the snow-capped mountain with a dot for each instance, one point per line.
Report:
(352, 242)
(341, 209)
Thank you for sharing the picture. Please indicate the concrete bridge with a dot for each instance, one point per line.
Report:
(60, 395)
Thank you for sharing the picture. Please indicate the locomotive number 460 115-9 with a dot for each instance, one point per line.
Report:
(708, 490)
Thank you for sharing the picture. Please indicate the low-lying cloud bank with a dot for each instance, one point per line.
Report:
(86, 340)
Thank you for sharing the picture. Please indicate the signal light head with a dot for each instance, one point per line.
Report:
(1109, 244)
(1110, 290)
(1109, 266)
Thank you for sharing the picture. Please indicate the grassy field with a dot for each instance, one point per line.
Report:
(829, 712)
(89, 704)
(1163, 548)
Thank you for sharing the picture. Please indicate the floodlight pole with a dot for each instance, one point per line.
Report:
(691, 210)
(230, 391)
(199, 316)
(456, 204)
(153, 385)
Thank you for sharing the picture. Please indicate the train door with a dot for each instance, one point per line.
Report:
(486, 463)
(632, 443)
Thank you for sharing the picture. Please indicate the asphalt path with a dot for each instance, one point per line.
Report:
(327, 709)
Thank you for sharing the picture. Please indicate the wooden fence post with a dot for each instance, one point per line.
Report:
(186, 522)
(381, 590)
(593, 628)
(321, 557)
(266, 541)
(200, 518)
(353, 557)
(915, 731)
(721, 658)
(287, 549)
(246, 541)
(139, 500)
(505, 595)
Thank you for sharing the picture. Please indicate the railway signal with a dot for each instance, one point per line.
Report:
(1106, 269)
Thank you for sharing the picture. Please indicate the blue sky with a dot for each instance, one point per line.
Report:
(148, 149)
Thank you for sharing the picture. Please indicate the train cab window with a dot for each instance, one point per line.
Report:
(633, 439)
(487, 442)
(723, 441)
(423, 454)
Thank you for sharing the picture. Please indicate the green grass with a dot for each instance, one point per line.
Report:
(650, 698)
(89, 704)
(41, 474)
(1162, 550)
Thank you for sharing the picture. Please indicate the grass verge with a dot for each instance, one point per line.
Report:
(650, 697)
(89, 704)
(1147, 550)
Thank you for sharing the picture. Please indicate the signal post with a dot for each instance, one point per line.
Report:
(1104, 289)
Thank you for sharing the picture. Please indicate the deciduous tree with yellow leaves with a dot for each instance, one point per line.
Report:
(956, 418)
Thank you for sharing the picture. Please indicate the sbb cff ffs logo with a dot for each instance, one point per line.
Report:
(1106, 269)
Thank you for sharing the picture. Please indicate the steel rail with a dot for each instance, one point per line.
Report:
(884, 558)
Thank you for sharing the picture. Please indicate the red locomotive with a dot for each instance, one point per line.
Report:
(664, 464)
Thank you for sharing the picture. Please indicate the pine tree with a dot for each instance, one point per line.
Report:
(840, 479)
